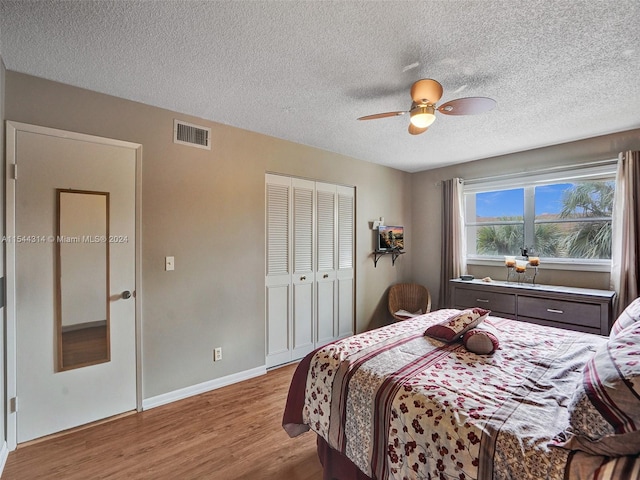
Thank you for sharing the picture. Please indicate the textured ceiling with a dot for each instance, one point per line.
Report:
(305, 70)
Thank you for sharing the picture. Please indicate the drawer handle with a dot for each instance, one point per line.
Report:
(482, 300)
(553, 310)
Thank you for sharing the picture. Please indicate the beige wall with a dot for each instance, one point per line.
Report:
(427, 203)
(206, 208)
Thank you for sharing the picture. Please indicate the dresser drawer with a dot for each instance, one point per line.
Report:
(573, 313)
(496, 302)
(566, 326)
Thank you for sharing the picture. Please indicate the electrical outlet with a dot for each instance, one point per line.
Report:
(217, 354)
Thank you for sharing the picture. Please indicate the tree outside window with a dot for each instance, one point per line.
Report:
(555, 220)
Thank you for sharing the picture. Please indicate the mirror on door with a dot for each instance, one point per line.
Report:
(82, 278)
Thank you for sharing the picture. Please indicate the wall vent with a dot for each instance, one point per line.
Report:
(193, 135)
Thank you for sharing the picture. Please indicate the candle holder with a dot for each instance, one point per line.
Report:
(510, 263)
(517, 269)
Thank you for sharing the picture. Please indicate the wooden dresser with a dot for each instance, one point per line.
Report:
(581, 309)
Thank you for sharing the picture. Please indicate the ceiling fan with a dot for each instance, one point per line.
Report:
(425, 93)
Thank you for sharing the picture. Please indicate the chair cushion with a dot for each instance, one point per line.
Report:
(408, 297)
(457, 325)
(405, 314)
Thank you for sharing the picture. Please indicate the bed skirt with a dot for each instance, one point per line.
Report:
(335, 465)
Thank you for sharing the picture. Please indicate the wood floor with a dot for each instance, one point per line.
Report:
(231, 433)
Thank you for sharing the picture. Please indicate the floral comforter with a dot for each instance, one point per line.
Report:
(400, 405)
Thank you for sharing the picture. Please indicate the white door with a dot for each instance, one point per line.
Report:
(278, 270)
(303, 258)
(50, 396)
(326, 263)
(309, 266)
(344, 273)
(334, 272)
(289, 279)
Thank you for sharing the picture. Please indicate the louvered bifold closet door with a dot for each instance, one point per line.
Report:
(303, 258)
(326, 309)
(345, 273)
(278, 270)
(309, 266)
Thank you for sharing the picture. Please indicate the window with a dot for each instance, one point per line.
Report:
(563, 216)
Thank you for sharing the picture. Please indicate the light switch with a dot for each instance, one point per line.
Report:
(168, 263)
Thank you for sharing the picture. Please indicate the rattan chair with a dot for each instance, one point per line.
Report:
(409, 297)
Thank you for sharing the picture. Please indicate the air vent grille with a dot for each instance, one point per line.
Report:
(193, 135)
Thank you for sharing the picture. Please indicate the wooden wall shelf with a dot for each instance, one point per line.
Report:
(378, 254)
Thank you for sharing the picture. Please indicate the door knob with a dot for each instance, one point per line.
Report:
(126, 294)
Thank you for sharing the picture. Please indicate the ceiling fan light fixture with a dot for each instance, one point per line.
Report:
(425, 93)
(423, 116)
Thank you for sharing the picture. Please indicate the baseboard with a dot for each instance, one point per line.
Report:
(4, 454)
(186, 392)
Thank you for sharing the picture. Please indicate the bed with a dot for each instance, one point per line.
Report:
(394, 403)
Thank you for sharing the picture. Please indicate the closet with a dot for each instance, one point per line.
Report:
(309, 278)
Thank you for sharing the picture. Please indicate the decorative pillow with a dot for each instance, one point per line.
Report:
(482, 340)
(457, 325)
(630, 316)
(605, 411)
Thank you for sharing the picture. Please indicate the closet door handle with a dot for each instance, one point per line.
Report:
(326, 275)
(304, 277)
(553, 310)
(482, 300)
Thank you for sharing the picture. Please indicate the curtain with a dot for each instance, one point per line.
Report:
(453, 263)
(625, 250)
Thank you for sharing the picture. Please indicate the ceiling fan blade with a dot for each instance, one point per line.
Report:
(426, 91)
(467, 106)
(381, 115)
(413, 130)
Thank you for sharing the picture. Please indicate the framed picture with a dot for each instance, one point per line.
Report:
(390, 238)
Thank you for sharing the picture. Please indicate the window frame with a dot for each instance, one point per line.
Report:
(605, 170)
